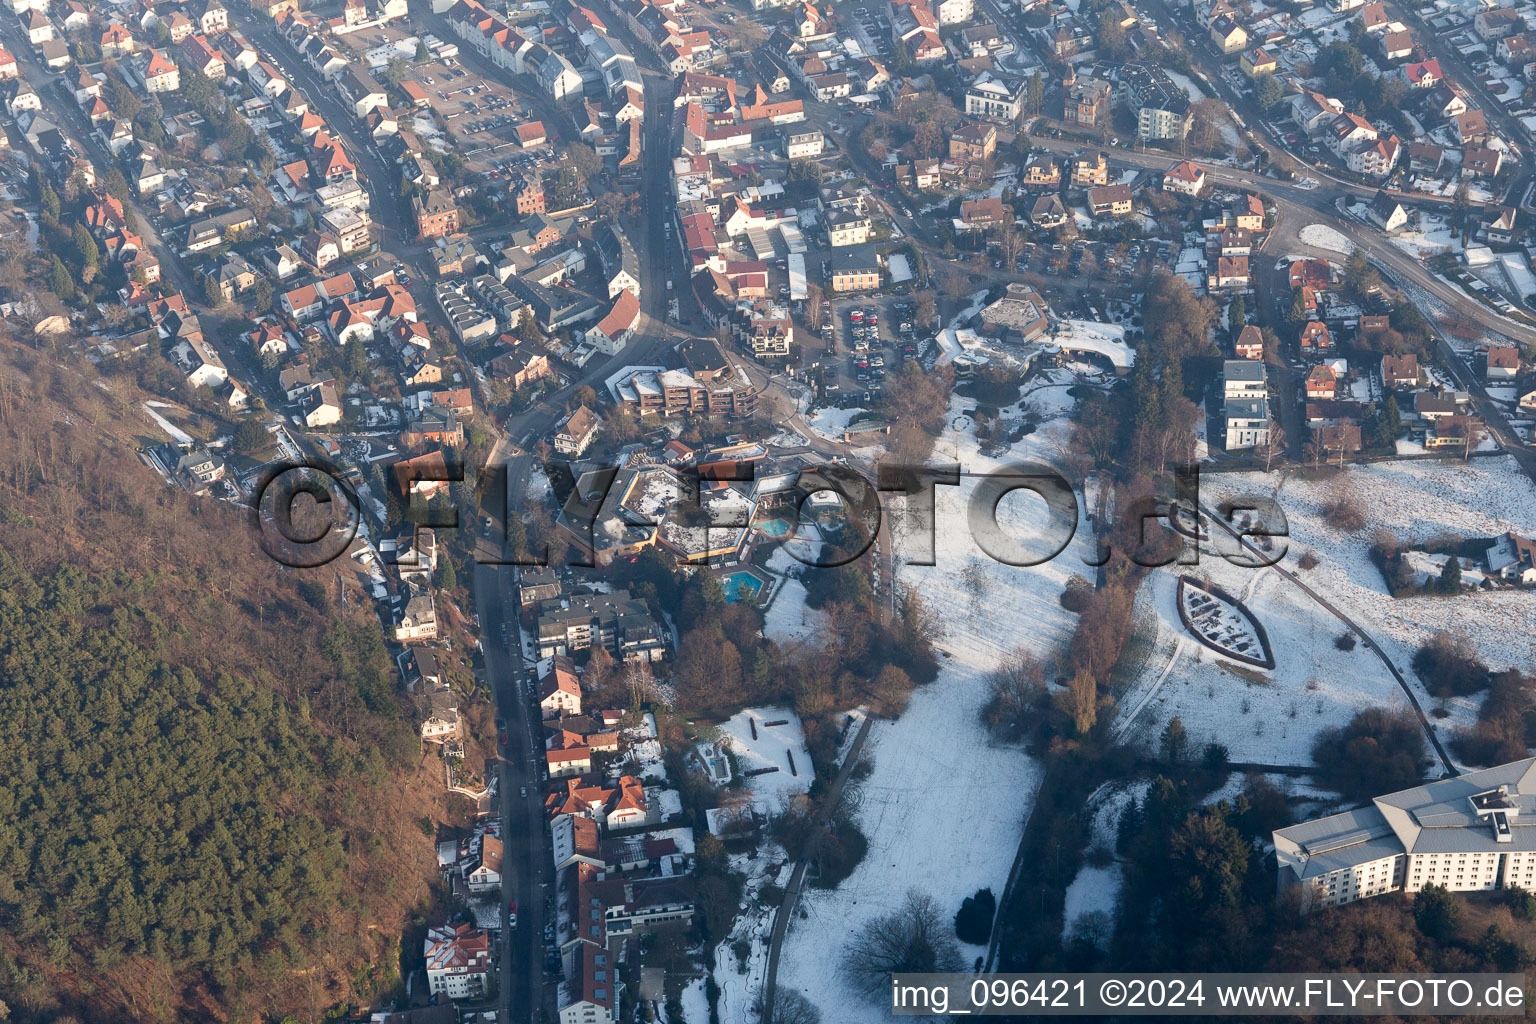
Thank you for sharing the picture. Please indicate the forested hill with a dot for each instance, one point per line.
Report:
(204, 808)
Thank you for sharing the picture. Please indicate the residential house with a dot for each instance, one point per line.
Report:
(1315, 340)
(847, 227)
(1513, 557)
(1256, 62)
(576, 434)
(199, 469)
(320, 406)
(1110, 201)
(1231, 274)
(559, 690)
(855, 269)
(1422, 74)
(1397, 45)
(1322, 383)
(995, 99)
(1387, 213)
(1161, 106)
(1041, 173)
(1496, 23)
(1090, 170)
(1481, 161)
(982, 214)
(158, 72)
(973, 142)
(1185, 178)
(1499, 227)
(1503, 363)
(482, 871)
(1228, 35)
(1471, 127)
(439, 712)
(1397, 371)
(1048, 212)
(1249, 343)
(434, 215)
(611, 333)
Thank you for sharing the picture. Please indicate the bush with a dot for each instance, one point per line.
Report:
(973, 921)
(837, 853)
(1077, 594)
(1449, 667)
(1308, 560)
(1345, 641)
(1377, 752)
(1342, 512)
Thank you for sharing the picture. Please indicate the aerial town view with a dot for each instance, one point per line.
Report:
(693, 511)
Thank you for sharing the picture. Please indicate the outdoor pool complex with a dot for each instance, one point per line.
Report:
(739, 585)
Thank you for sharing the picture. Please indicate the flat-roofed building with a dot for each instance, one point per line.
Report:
(1471, 833)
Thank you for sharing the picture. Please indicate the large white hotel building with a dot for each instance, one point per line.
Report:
(1476, 831)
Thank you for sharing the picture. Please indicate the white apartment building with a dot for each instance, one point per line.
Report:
(994, 99)
(803, 145)
(844, 227)
(1466, 834)
(954, 12)
(1245, 404)
(1242, 378)
(1247, 423)
(458, 961)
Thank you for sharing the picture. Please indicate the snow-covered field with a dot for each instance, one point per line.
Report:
(1262, 717)
(943, 808)
(1324, 237)
(1482, 497)
(1315, 685)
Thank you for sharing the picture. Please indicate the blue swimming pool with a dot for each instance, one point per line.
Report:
(775, 527)
(740, 585)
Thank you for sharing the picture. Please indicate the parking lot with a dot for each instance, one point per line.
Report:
(867, 344)
(871, 25)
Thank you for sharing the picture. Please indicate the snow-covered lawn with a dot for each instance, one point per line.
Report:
(1324, 237)
(830, 421)
(695, 1004)
(1195, 93)
(1273, 717)
(943, 808)
(175, 432)
(1433, 236)
(1480, 498)
(787, 617)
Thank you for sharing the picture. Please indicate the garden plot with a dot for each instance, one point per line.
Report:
(769, 746)
(943, 808)
(1260, 717)
(1223, 624)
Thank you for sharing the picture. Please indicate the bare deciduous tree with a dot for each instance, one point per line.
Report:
(916, 937)
(790, 1006)
(1274, 448)
(974, 579)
